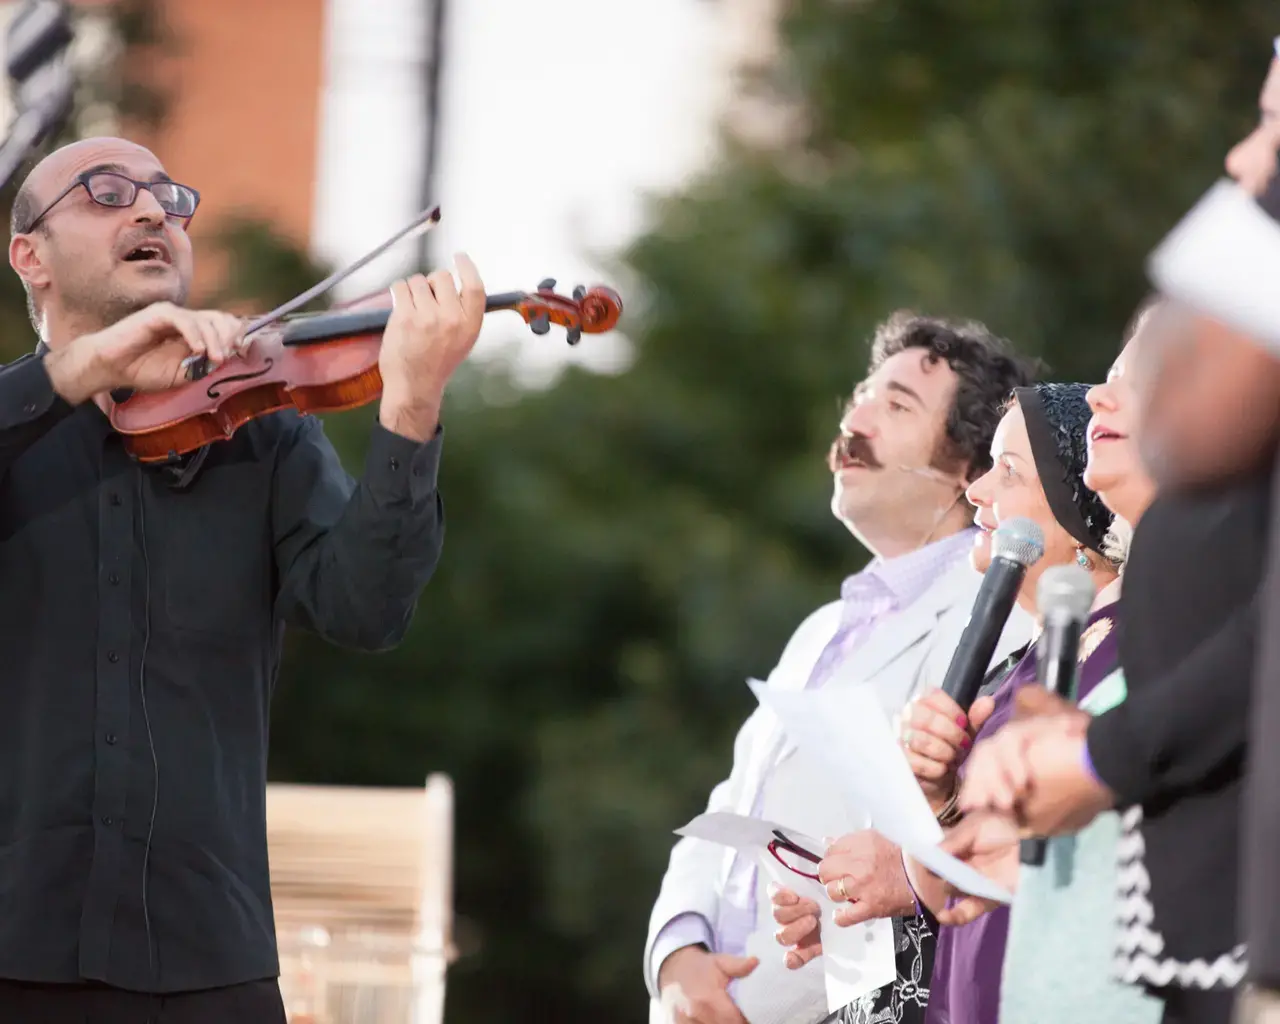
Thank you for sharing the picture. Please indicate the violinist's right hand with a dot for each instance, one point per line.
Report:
(144, 351)
(936, 737)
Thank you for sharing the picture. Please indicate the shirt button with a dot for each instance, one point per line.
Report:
(111, 738)
(107, 820)
(112, 657)
(394, 463)
(115, 499)
(114, 578)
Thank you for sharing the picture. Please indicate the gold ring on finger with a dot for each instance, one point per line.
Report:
(844, 894)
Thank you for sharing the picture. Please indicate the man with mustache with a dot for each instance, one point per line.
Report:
(915, 432)
(142, 610)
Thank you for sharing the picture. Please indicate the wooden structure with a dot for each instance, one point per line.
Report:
(361, 881)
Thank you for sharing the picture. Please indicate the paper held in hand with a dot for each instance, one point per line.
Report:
(847, 730)
(854, 960)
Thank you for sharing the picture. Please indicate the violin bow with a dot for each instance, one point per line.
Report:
(420, 225)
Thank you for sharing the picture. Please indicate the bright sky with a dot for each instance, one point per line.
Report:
(557, 117)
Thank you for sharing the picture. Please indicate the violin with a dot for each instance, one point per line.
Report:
(322, 362)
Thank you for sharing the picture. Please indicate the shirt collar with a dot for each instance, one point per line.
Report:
(906, 577)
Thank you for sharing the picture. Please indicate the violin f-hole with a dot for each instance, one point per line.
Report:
(213, 392)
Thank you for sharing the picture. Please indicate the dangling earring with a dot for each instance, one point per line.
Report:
(1082, 559)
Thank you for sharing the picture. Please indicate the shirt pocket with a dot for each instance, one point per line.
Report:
(216, 555)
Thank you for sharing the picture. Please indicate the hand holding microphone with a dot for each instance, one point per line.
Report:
(1015, 547)
(1064, 597)
(936, 737)
(939, 727)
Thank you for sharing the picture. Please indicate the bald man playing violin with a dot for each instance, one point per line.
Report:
(142, 608)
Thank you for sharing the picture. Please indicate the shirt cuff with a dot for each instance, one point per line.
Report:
(399, 469)
(915, 898)
(26, 393)
(1115, 755)
(1087, 763)
(687, 929)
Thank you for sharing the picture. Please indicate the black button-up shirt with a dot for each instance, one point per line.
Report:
(141, 623)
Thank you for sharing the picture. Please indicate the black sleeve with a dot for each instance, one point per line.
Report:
(28, 407)
(354, 556)
(1175, 733)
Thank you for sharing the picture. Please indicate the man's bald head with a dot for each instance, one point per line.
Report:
(55, 170)
(72, 248)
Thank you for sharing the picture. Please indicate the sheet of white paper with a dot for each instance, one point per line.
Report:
(743, 833)
(960, 874)
(855, 960)
(848, 730)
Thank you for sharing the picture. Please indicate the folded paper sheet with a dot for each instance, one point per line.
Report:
(847, 729)
(855, 960)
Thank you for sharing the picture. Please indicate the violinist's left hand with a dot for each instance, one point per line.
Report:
(432, 329)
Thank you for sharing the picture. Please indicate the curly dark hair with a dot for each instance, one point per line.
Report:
(987, 368)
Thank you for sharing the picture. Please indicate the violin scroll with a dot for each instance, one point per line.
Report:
(590, 310)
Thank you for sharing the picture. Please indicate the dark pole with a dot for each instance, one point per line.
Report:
(435, 62)
(40, 78)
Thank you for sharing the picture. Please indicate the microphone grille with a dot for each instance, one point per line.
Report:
(1065, 591)
(1018, 540)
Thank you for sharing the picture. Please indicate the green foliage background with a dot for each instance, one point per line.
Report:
(623, 551)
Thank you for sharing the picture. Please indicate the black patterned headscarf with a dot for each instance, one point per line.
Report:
(1057, 417)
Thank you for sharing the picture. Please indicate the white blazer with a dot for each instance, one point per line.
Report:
(907, 659)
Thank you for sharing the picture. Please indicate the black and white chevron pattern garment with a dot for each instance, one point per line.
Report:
(1139, 956)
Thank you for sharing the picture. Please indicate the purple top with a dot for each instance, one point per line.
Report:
(970, 958)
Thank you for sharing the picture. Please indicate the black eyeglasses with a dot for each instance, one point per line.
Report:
(794, 855)
(107, 188)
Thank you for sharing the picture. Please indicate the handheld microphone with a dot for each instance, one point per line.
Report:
(1064, 596)
(1015, 547)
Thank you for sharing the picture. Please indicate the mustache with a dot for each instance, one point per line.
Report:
(847, 448)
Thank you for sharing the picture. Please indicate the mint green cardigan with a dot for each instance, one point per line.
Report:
(1062, 926)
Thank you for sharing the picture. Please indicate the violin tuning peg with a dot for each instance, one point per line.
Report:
(547, 285)
(540, 324)
(579, 293)
(573, 335)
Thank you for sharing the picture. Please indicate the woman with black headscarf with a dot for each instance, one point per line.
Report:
(1039, 455)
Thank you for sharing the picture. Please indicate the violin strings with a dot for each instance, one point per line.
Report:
(420, 225)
